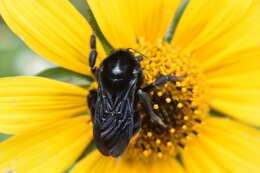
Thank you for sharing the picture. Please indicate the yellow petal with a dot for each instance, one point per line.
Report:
(53, 29)
(236, 63)
(96, 163)
(200, 22)
(124, 21)
(197, 160)
(211, 29)
(235, 85)
(241, 37)
(52, 149)
(224, 145)
(168, 166)
(30, 102)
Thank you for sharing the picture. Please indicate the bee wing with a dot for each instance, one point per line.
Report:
(113, 124)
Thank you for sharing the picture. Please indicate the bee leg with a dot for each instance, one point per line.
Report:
(93, 54)
(92, 98)
(137, 122)
(162, 80)
(147, 102)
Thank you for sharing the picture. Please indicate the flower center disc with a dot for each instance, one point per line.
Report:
(181, 106)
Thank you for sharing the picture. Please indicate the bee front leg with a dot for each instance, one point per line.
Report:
(137, 122)
(93, 54)
(162, 80)
(147, 102)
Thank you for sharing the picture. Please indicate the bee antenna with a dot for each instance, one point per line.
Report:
(136, 51)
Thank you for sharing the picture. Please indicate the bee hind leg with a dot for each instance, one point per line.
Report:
(137, 122)
(147, 102)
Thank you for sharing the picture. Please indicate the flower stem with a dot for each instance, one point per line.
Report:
(94, 25)
(173, 26)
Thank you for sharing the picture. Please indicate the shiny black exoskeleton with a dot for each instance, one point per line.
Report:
(113, 105)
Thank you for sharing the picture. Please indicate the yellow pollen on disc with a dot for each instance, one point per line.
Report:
(181, 106)
(159, 94)
(168, 100)
(188, 137)
(184, 90)
(172, 130)
(184, 127)
(196, 112)
(178, 84)
(156, 106)
(146, 153)
(193, 104)
(158, 141)
(149, 134)
(160, 155)
(169, 144)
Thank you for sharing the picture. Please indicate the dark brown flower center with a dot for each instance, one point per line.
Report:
(182, 106)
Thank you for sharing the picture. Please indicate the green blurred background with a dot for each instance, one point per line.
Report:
(16, 58)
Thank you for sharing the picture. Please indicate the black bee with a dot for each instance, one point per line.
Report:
(113, 105)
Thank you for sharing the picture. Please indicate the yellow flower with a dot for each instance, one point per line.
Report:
(217, 43)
